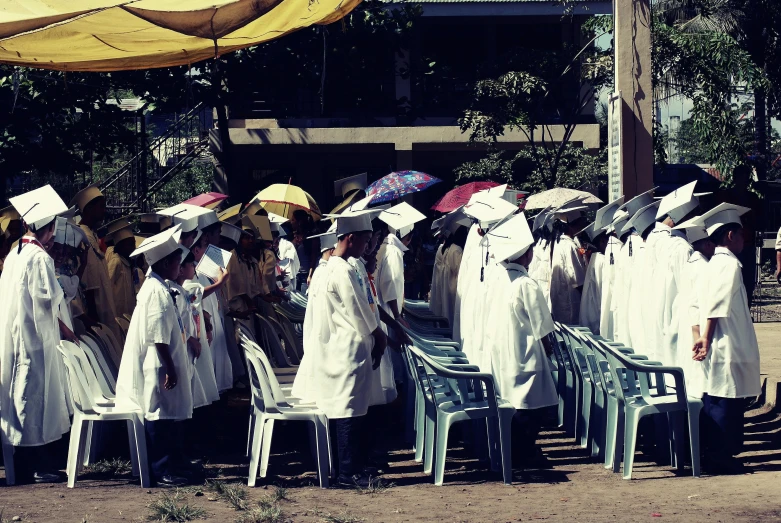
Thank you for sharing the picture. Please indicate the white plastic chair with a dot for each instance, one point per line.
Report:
(86, 411)
(269, 406)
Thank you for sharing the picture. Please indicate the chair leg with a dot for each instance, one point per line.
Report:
(131, 439)
(8, 460)
(585, 415)
(420, 427)
(90, 445)
(323, 454)
(257, 439)
(410, 408)
(428, 433)
(250, 430)
(693, 417)
(443, 429)
(139, 442)
(505, 438)
(630, 440)
(618, 451)
(610, 433)
(268, 431)
(75, 448)
(494, 446)
(677, 432)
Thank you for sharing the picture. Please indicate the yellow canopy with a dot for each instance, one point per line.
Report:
(112, 35)
(283, 199)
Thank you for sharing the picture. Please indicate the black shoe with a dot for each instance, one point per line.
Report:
(46, 477)
(169, 480)
(375, 466)
(357, 481)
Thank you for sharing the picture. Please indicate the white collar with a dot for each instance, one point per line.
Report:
(724, 250)
(514, 267)
(391, 239)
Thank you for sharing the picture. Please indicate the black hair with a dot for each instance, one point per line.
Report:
(212, 227)
(644, 234)
(158, 267)
(190, 258)
(720, 234)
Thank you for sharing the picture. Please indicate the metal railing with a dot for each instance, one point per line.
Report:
(129, 188)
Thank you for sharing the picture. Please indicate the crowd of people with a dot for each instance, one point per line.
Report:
(660, 276)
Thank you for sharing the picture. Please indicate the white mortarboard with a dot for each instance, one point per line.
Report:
(679, 203)
(604, 216)
(722, 214)
(185, 215)
(639, 201)
(488, 209)
(231, 232)
(351, 183)
(207, 219)
(642, 218)
(275, 218)
(327, 239)
(511, 239)
(570, 211)
(497, 191)
(592, 231)
(68, 233)
(619, 220)
(402, 218)
(259, 225)
(157, 247)
(351, 221)
(39, 207)
(694, 229)
(541, 218)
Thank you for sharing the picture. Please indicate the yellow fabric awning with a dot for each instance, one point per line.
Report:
(105, 35)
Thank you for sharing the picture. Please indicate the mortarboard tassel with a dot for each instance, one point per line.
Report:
(482, 273)
(630, 246)
(611, 257)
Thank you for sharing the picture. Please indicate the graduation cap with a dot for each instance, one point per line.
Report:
(642, 219)
(39, 207)
(541, 218)
(638, 202)
(157, 247)
(153, 223)
(402, 218)
(570, 211)
(345, 186)
(10, 213)
(231, 232)
(4, 222)
(275, 218)
(327, 239)
(694, 229)
(511, 239)
(190, 217)
(722, 214)
(605, 214)
(82, 198)
(352, 221)
(66, 232)
(679, 203)
(254, 208)
(592, 231)
(230, 215)
(259, 225)
(488, 209)
(619, 220)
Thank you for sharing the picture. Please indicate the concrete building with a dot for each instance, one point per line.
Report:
(293, 139)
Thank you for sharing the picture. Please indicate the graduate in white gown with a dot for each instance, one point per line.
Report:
(568, 267)
(33, 412)
(468, 276)
(540, 266)
(349, 346)
(517, 337)
(446, 269)
(693, 287)
(607, 319)
(155, 372)
(435, 294)
(728, 344)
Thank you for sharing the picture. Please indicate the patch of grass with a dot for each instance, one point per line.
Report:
(376, 486)
(280, 493)
(264, 513)
(109, 467)
(344, 517)
(174, 507)
(233, 493)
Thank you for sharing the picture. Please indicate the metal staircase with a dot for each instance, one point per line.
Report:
(132, 187)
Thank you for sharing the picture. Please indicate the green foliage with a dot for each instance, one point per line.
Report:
(174, 507)
(233, 493)
(109, 467)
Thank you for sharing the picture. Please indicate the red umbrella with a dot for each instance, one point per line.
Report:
(460, 196)
(207, 199)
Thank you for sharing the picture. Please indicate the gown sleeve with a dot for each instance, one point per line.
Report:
(574, 267)
(721, 290)
(531, 298)
(392, 273)
(160, 318)
(356, 304)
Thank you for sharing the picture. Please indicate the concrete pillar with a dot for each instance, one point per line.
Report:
(632, 40)
(404, 160)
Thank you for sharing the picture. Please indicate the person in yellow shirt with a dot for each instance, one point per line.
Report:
(98, 293)
(126, 278)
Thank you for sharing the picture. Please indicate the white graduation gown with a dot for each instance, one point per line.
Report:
(591, 301)
(732, 364)
(383, 389)
(568, 272)
(141, 379)
(468, 275)
(626, 264)
(633, 332)
(606, 317)
(223, 369)
(204, 365)
(33, 409)
(389, 283)
(674, 253)
(693, 287)
(436, 293)
(449, 281)
(184, 310)
(540, 267)
(520, 319)
(342, 325)
(287, 251)
(304, 386)
(649, 281)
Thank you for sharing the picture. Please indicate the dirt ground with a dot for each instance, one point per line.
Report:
(574, 489)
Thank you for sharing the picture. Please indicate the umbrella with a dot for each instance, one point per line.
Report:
(558, 196)
(208, 200)
(284, 199)
(397, 184)
(459, 196)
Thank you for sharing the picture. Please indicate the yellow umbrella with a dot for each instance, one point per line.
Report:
(283, 199)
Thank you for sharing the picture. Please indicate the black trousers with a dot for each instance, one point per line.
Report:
(29, 460)
(351, 444)
(163, 446)
(722, 425)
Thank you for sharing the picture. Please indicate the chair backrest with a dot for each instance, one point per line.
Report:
(112, 353)
(259, 374)
(287, 327)
(273, 382)
(81, 396)
(123, 324)
(271, 340)
(85, 353)
(102, 366)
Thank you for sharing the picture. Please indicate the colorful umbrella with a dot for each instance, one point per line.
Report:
(459, 196)
(284, 199)
(395, 185)
(207, 199)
